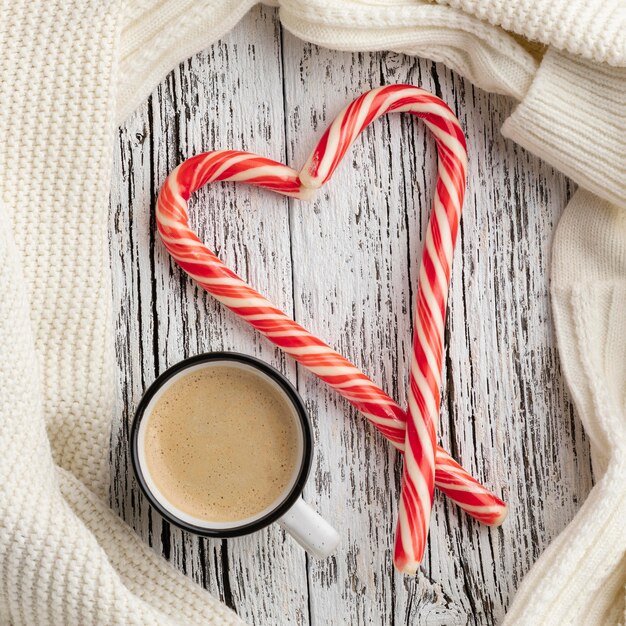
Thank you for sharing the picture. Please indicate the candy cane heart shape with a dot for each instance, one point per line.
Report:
(204, 267)
(418, 479)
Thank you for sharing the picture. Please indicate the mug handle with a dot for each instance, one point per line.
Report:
(310, 529)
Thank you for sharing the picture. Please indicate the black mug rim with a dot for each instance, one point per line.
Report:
(307, 443)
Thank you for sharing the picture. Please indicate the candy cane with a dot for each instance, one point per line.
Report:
(205, 267)
(418, 480)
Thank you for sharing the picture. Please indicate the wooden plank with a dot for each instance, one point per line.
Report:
(355, 253)
(198, 108)
(360, 303)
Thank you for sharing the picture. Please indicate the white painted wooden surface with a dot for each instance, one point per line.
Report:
(346, 266)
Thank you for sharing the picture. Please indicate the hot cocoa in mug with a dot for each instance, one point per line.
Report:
(221, 445)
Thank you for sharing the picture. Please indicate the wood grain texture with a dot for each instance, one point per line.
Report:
(346, 267)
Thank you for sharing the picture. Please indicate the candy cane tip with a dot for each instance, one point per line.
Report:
(407, 568)
(309, 181)
(499, 520)
(306, 193)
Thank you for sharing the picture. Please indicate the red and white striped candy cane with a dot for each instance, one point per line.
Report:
(205, 267)
(418, 479)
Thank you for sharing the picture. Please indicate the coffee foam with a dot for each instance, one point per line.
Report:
(220, 445)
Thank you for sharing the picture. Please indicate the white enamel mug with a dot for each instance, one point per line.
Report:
(289, 510)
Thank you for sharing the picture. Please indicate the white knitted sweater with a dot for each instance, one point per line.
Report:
(70, 71)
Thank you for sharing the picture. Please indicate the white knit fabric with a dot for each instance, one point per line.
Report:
(592, 30)
(70, 71)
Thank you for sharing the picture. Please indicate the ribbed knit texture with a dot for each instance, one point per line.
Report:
(158, 35)
(484, 54)
(54, 184)
(70, 71)
(574, 116)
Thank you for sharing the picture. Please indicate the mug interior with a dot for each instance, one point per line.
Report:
(294, 486)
